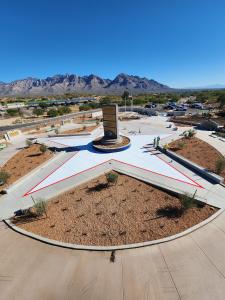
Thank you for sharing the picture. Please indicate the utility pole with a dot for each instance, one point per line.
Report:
(132, 103)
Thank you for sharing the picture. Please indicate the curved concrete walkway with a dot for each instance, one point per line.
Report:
(192, 267)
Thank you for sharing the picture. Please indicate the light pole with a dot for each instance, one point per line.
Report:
(132, 103)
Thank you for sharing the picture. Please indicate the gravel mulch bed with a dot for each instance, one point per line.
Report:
(128, 212)
(198, 151)
(23, 162)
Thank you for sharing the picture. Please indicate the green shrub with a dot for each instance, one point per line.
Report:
(4, 176)
(111, 178)
(189, 133)
(43, 148)
(12, 112)
(40, 207)
(220, 165)
(38, 111)
(52, 113)
(187, 201)
(181, 144)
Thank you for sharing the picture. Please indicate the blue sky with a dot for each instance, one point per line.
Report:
(177, 42)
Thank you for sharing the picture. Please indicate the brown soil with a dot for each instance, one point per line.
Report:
(79, 130)
(94, 214)
(197, 151)
(23, 162)
(125, 141)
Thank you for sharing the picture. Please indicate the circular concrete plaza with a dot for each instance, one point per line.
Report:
(189, 267)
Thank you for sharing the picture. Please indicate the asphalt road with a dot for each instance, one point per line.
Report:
(50, 120)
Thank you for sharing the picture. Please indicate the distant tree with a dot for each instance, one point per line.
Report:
(221, 100)
(84, 107)
(202, 97)
(12, 112)
(43, 105)
(105, 101)
(38, 112)
(64, 110)
(52, 113)
(125, 95)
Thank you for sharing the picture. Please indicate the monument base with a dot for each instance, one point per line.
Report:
(107, 141)
(111, 145)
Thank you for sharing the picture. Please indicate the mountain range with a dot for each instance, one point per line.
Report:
(70, 83)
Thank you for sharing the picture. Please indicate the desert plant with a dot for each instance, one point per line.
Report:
(220, 165)
(187, 201)
(165, 147)
(28, 142)
(181, 145)
(189, 133)
(43, 148)
(4, 176)
(111, 178)
(40, 207)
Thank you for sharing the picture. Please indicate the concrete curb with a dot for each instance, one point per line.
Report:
(193, 166)
(69, 135)
(110, 248)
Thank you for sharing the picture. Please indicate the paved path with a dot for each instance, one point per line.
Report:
(214, 141)
(191, 267)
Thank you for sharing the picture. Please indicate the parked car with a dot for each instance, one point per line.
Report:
(197, 106)
(181, 108)
(170, 106)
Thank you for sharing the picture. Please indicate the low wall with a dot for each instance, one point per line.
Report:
(191, 165)
(192, 123)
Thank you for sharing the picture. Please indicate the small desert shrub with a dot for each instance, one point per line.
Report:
(187, 201)
(220, 165)
(181, 145)
(189, 133)
(40, 207)
(165, 147)
(111, 178)
(28, 142)
(43, 148)
(4, 176)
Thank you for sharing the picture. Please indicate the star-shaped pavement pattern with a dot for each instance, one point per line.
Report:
(87, 157)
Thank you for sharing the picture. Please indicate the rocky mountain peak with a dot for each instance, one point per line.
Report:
(59, 84)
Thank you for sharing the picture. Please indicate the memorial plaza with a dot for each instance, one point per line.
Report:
(184, 256)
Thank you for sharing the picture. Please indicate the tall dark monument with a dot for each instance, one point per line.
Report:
(111, 141)
(110, 123)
